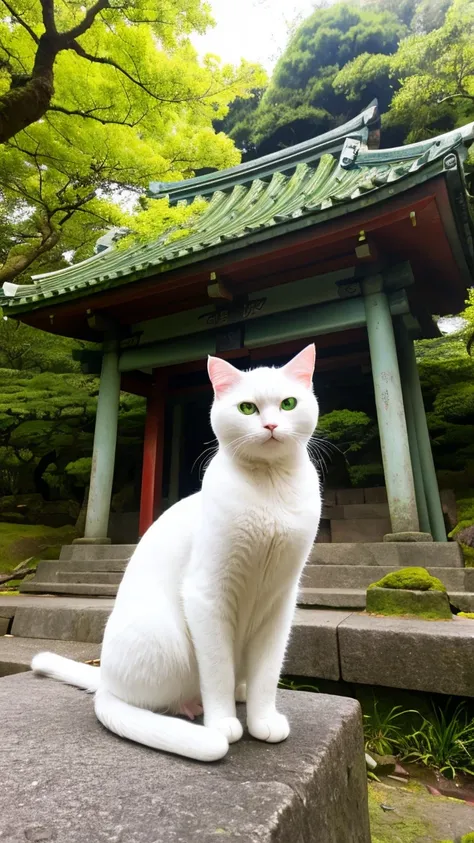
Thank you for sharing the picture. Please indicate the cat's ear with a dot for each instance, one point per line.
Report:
(301, 367)
(222, 375)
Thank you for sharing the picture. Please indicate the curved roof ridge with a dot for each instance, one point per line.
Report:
(266, 165)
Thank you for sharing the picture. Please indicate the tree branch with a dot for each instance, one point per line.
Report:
(88, 115)
(47, 8)
(20, 20)
(86, 22)
(456, 96)
(18, 573)
(111, 63)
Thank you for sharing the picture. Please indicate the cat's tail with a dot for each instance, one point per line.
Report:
(159, 731)
(83, 676)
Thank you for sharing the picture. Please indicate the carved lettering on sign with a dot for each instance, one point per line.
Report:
(217, 318)
(253, 307)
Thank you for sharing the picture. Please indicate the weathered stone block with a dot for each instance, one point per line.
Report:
(434, 656)
(312, 650)
(430, 605)
(67, 624)
(312, 786)
(324, 532)
(360, 530)
(427, 554)
(330, 511)
(366, 510)
(408, 537)
(348, 496)
(97, 551)
(377, 494)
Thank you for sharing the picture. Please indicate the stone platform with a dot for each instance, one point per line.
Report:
(69, 780)
(433, 656)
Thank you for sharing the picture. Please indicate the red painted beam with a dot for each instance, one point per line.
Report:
(153, 445)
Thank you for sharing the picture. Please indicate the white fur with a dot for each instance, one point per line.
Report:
(205, 607)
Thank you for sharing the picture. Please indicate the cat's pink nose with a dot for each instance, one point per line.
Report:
(270, 427)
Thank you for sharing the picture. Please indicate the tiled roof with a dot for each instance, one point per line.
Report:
(329, 183)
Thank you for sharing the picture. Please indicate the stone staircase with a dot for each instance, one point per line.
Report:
(336, 577)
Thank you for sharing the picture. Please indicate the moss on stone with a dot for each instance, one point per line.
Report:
(469, 615)
(468, 555)
(426, 605)
(403, 824)
(468, 838)
(416, 579)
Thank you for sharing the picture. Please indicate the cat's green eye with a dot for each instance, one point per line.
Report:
(247, 408)
(288, 404)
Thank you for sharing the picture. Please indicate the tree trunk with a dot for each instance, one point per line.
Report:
(15, 264)
(19, 107)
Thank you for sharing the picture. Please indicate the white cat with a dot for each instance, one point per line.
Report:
(205, 607)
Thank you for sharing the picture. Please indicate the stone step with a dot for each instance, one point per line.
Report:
(361, 576)
(48, 571)
(314, 576)
(354, 598)
(97, 551)
(359, 511)
(70, 619)
(75, 589)
(332, 598)
(326, 644)
(16, 653)
(88, 577)
(388, 554)
(360, 529)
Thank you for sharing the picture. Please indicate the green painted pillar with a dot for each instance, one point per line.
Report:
(415, 456)
(390, 413)
(176, 440)
(411, 378)
(105, 440)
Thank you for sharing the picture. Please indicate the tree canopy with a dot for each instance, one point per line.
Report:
(96, 100)
(300, 100)
(433, 73)
(414, 56)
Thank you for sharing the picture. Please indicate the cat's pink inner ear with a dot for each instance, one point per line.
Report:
(222, 375)
(301, 367)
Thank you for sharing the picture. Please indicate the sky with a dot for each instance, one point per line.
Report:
(253, 29)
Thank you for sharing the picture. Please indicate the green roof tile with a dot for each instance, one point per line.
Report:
(330, 180)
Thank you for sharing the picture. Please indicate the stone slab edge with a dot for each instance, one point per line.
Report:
(108, 789)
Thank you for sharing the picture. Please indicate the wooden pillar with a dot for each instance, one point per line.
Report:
(391, 415)
(409, 370)
(153, 444)
(103, 453)
(176, 441)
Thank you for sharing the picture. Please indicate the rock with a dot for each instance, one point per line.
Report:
(427, 605)
(76, 782)
(370, 762)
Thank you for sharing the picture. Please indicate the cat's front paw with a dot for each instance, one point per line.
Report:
(272, 729)
(230, 727)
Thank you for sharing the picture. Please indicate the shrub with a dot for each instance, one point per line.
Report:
(444, 741)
